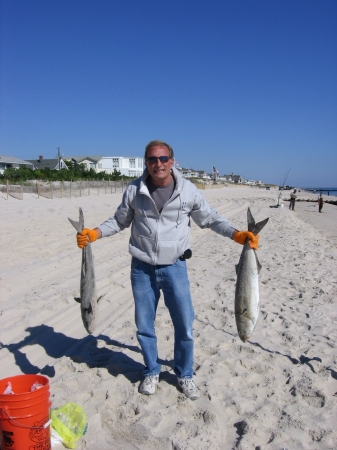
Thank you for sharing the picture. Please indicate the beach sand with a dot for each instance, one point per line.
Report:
(277, 391)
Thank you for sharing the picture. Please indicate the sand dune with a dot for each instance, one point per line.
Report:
(279, 390)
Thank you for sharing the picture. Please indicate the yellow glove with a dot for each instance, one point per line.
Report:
(86, 236)
(241, 237)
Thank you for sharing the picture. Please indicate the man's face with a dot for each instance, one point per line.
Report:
(159, 171)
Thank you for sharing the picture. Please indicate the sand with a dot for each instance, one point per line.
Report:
(277, 391)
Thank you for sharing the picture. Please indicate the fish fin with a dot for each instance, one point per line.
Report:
(250, 220)
(77, 299)
(76, 225)
(236, 268)
(258, 264)
(81, 218)
(80, 224)
(260, 225)
(255, 228)
(89, 309)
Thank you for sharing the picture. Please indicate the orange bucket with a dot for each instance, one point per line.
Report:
(25, 415)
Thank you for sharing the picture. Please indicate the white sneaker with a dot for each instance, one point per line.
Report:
(187, 386)
(148, 386)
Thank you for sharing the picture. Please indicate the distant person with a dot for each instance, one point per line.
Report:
(159, 206)
(293, 197)
(320, 202)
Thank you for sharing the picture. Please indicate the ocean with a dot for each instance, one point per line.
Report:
(329, 191)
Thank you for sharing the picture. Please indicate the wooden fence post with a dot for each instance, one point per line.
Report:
(7, 189)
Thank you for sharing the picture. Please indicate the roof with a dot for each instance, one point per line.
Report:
(191, 170)
(124, 157)
(13, 160)
(51, 164)
(79, 159)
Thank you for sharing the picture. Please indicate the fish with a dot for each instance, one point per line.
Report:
(247, 284)
(88, 295)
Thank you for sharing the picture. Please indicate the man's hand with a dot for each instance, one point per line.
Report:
(86, 236)
(241, 236)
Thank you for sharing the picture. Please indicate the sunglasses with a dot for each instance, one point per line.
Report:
(153, 159)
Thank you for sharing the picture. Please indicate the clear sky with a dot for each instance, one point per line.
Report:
(248, 86)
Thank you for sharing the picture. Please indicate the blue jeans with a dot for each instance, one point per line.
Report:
(147, 281)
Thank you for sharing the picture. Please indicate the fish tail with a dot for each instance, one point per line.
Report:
(255, 228)
(80, 224)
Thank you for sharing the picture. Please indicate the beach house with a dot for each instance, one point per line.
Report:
(48, 163)
(90, 162)
(129, 166)
(12, 161)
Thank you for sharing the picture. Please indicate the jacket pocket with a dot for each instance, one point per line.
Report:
(168, 251)
(147, 245)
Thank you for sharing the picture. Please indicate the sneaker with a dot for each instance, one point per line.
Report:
(187, 387)
(148, 386)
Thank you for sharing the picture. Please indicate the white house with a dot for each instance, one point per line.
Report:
(129, 166)
(12, 161)
(191, 173)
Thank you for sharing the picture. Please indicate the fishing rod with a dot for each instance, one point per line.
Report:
(283, 184)
(281, 187)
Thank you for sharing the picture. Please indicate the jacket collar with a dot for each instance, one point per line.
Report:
(176, 175)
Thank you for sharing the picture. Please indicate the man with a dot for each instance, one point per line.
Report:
(293, 197)
(158, 206)
(320, 202)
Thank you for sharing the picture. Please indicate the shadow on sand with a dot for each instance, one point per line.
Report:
(83, 350)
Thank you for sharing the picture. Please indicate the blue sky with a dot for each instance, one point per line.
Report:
(248, 86)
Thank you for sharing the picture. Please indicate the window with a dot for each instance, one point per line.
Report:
(132, 173)
(140, 163)
(132, 163)
(115, 162)
(99, 165)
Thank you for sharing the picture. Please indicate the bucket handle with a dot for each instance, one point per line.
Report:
(25, 426)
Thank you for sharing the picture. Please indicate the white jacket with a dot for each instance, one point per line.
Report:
(161, 238)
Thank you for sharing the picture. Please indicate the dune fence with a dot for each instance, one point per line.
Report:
(64, 189)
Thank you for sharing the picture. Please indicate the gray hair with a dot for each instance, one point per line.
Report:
(154, 143)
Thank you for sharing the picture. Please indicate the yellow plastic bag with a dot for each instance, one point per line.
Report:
(70, 421)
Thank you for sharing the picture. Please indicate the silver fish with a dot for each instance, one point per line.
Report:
(247, 284)
(88, 299)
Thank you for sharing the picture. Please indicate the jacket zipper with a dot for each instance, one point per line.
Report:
(158, 220)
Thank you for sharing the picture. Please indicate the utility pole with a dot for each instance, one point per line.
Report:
(58, 156)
